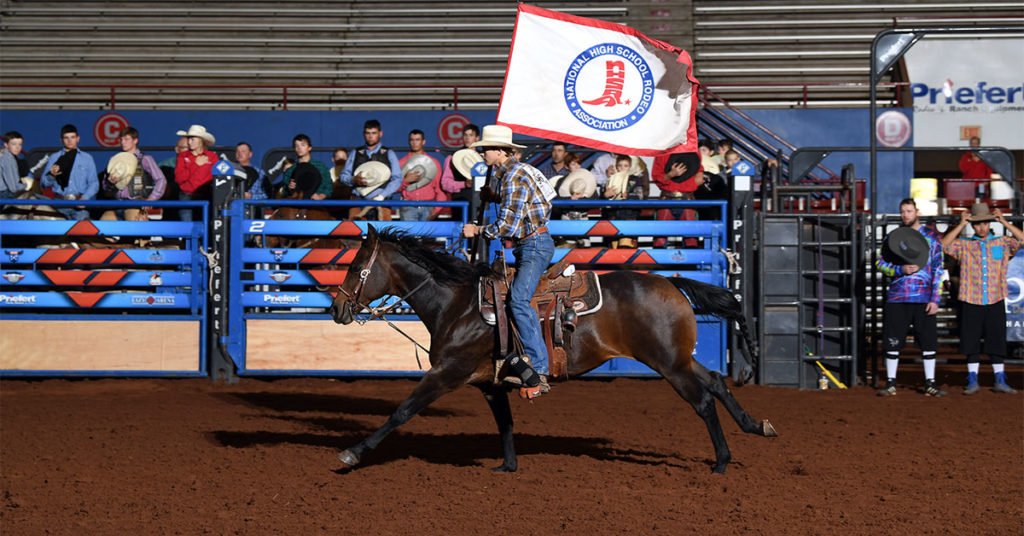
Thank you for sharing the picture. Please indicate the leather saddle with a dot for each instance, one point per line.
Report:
(562, 296)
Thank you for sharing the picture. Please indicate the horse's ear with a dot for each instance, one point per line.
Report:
(371, 232)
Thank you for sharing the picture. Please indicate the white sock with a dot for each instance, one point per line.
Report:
(929, 366)
(998, 367)
(891, 363)
(973, 367)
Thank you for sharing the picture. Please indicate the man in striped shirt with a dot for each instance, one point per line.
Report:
(522, 217)
(913, 299)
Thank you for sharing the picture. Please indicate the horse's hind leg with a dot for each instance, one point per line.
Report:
(691, 389)
(497, 399)
(718, 388)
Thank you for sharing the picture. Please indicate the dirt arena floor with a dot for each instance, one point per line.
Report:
(140, 456)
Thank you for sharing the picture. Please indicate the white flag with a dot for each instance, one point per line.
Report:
(598, 84)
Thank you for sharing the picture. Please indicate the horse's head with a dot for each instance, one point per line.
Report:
(368, 279)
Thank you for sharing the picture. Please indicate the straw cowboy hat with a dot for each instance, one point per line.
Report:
(198, 131)
(375, 173)
(121, 169)
(580, 181)
(907, 246)
(463, 161)
(422, 164)
(980, 212)
(618, 181)
(496, 136)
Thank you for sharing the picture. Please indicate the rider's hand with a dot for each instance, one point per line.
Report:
(470, 230)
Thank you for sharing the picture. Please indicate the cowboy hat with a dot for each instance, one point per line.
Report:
(463, 162)
(618, 181)
(198, 131)
(580, 181)
(121, 169)
(422, 164)
(980, 212)
(377, 174)
(905, 245)
(496, 136)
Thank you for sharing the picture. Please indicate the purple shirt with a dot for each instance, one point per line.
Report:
(922, 286)
(159, 181)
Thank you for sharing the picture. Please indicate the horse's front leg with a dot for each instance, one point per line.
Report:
(497, 399)
(436, 382)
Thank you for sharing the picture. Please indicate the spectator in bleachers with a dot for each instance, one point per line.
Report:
(625, 185)
(172, 161)
(339, 158)
(971, 165)
(132, 175)
(10, 181)
(731, 158)
(984, 259)
(71, 173)
(16, 145)
(677, 176)
(723, 146)
(420, 179)
(458, 187)
(374, 150)
(557, 166)
(257, 184)
(602, 168)
(193, 169)
(308, 178)
(706, 148)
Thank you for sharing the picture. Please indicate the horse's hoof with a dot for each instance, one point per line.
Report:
(348, 458)
(767, 429)
(719, 469)
(504, 468)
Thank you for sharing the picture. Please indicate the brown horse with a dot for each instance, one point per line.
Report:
(442, 289)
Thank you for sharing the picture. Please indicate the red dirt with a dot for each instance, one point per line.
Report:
(596, 457)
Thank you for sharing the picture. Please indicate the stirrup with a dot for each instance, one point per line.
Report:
(531, 392)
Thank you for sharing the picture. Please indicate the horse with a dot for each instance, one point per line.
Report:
(442, 290)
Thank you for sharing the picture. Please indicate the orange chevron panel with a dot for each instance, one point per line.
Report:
(348, 256)
(66, 277)
(616, 256)
(121, 258)
(603, 228)
(328, 277)
(94, 256)
(347, 228)
(644, 258)
(583, 255)
(320, 256)
(106, 279)
(83, 228)
(57, 256)
(86, 299)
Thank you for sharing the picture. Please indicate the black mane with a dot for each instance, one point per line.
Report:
(446, 269)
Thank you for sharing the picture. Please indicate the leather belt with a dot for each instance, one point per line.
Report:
(541, 229)
(677, 195)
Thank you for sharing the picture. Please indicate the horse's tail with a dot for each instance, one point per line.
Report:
(720, 302)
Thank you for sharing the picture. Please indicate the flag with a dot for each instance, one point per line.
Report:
(598, 84)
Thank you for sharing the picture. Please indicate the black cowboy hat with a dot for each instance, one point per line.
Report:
(905, 245)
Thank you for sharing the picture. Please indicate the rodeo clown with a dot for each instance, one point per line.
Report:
(523, 215)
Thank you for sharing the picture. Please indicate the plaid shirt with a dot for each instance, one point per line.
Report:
(922, 286)
(983, 263)
(524, 209)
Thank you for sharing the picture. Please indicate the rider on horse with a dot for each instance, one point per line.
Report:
(522, 217)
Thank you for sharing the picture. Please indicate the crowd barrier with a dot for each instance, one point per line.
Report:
(100, 298)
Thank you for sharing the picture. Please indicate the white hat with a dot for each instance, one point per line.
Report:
(422, 164)
(376, 174)
(463, 161)
(580, 181)
(121, 169)
(198, 131)
(496, 136)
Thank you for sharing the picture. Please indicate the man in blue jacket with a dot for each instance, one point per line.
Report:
(71, 173)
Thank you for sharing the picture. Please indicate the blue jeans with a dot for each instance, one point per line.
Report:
(415, 213)
(533, 256)
(74, 214)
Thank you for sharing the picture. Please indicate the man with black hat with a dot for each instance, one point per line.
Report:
(912, 257)
(984, 259)
(71, 173)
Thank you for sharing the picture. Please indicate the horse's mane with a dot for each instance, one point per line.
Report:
(446, 269)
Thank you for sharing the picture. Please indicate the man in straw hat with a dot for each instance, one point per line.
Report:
(984, 259)
(523, 218)
(912, 257)
(375, 151)
(193, 170)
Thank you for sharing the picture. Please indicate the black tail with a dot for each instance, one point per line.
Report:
(718, 301)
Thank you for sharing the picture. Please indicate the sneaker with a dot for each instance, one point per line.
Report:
(972, 384)
(932, 389)
(1001, 386)
(890, 388)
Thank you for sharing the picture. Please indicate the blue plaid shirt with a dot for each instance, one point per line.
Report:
(922, 286)
(524, 209)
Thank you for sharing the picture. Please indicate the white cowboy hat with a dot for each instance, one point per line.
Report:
(121, 169)
(496, 136)
(377, 174)
(580, 181)
(422, 164)
(618, 181)
(198, 131)
(463, 161)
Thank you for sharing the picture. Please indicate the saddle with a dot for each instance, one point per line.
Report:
(562, 296)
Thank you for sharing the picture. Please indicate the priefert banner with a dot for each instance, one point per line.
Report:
(959, 85)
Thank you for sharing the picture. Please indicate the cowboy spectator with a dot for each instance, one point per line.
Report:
(971, 165)
(132, 175)
(677, 176)
(558, 166)
(193, 169)
(375, 151)
(257, 184)
(71, 173)
(16, 146)
(603, 167)
(912, 257)
(623, 185)
(10, 182)
(308, 178)
(420, 180)
(459, 187)
(984, 259)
